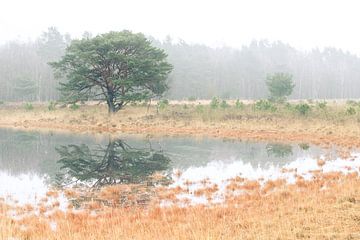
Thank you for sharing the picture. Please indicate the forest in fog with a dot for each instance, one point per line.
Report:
(199, 71)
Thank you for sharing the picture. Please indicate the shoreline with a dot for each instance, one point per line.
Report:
(135, 120)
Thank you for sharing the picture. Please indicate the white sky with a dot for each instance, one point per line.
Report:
(304, 24)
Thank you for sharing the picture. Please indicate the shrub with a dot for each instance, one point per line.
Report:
(163, 103)
(322, 105)
(289, 106)
(74, 106)
(351, 102)
(303, 108)
(239, 105)
(265, 105)
(51, 106)
(224, 104)
(28, 107)
(350, 111)
(2, 102)
(214, 103)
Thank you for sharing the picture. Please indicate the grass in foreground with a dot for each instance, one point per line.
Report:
(326, 208)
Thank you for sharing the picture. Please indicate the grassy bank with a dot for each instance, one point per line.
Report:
(313, 122)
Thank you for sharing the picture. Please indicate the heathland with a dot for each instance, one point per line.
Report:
(326, 207)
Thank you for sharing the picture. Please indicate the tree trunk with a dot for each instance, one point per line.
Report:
(110, 103)
(111, 107)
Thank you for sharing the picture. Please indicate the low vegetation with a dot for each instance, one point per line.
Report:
(310, 121)
(304, 210)
(220, 110)
(28, 106)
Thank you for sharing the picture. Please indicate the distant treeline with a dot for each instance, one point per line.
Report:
(203, 72)
(199, 71)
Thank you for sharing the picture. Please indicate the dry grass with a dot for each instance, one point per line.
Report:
(332, 126)
(302, 211)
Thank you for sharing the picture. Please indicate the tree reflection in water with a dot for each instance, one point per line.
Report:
(279, 150)
(116, 163)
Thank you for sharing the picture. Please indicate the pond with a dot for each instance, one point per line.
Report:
(33, 162)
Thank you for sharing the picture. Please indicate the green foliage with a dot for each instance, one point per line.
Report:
(322, 105)
(280, 85)
(224, 104)
(51, 106)
(265, 105)
(162, 104)
(116, 67)
(239, 105)
(192, 99)
(215, 103)
(74, 106)
(2, 102)
(28, 106)
(115, 163)
(289, 106)
(351, 102)
(303, 108)
(350, 111)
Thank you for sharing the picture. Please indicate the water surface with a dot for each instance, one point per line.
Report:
(31, 162)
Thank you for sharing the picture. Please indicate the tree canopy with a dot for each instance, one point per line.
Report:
(115, 163)
(117, 67)
(280, 85)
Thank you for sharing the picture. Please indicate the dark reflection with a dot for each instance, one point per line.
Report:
(279, 150)
(304, 146)
(115, 163)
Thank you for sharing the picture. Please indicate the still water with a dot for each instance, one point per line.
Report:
(31, 162)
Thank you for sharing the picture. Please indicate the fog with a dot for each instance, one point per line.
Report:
(303, 24)
(218, 48)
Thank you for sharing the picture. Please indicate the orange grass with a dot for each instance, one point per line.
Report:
(277, 211)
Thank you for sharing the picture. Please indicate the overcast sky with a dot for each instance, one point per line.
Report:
(304, 24)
